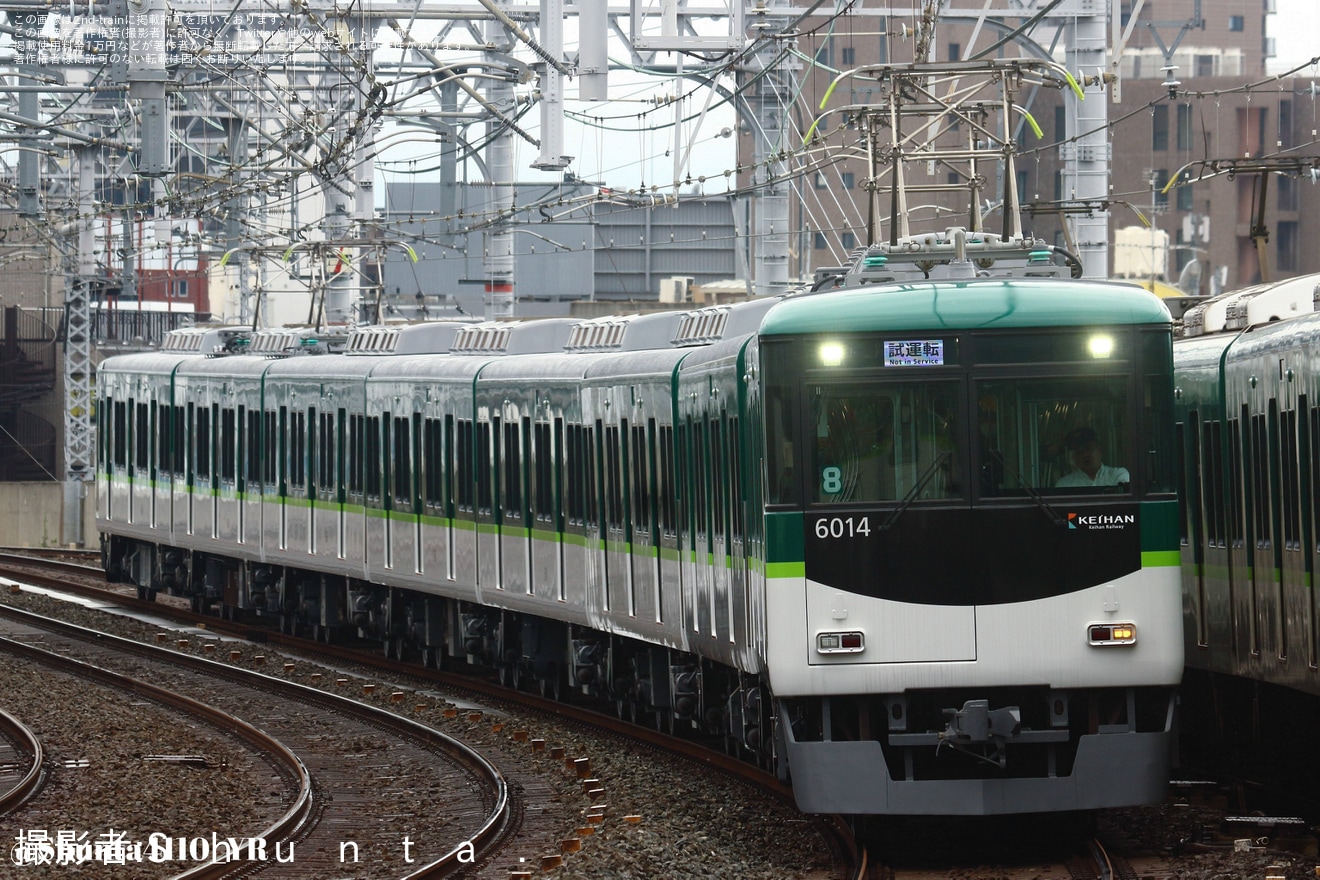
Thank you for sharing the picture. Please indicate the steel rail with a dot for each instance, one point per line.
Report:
(834, 827)
(499, 820)
(25, 740)
(293, 819)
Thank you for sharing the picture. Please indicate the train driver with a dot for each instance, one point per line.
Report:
(1087, 457)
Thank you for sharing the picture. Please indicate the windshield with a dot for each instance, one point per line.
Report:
(1008, 415)
(882, 442)
(1053, 435)
(890, 441)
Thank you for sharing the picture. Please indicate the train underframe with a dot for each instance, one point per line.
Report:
(671, 690)
(981, 751)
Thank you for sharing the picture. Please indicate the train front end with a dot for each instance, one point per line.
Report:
(972, 585)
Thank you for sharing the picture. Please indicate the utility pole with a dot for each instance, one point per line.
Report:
(497, 238)
(80, 269)
(1086, 151)
(774, 71)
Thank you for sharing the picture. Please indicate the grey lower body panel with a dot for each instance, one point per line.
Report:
(1110, 770)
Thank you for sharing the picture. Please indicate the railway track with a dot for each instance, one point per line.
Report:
(1082, 856)
(21, 757)
(331, 801)
(1004, 848)
(85, 580)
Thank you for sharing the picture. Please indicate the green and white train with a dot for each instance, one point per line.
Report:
(824, 526)
(1247, 403)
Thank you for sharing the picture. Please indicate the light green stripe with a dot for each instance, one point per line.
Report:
(785, 570)
(1160, 558)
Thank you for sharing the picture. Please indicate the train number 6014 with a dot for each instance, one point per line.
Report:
(843, 526)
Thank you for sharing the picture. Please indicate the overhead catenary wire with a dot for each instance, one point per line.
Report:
(277, 161)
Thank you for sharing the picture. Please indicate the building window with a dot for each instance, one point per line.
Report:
(179, 288)
(1184, 126)
(1185, 197)
(955, 51)
(1060, 124)
(819, 181)
(825, 55)
(1287, 189)
(1159, 127)
(847, 56)
(1181, 256)
(818, 241)
(849, 179)
(1237, 23)
(848, 240)
(1287, 246)
(1058, 186)
(1161, 179)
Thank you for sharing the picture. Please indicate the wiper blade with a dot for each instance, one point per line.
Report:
(1031, 492)
(915, 491)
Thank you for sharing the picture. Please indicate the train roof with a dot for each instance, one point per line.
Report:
(323, 367)
(1299, 333)
(214, 368)
(143, 362)
(1257, 304)
(202, 338)
(966, 305)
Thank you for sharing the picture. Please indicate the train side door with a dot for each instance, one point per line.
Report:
(618, 575)
(327, 504)
(250, 458)
(225, 422)
(1264, 551)
(546, 565)
(669, 591)
(514, 451)
(487, 460)
(645, 571)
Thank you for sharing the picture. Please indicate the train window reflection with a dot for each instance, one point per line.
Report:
(1052, 435)
(884, 442)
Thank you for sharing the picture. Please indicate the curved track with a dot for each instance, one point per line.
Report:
(25, 746)
(55, 573)
(328, 799)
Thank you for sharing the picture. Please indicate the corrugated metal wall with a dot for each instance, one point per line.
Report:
(601, 251)
(637, 247)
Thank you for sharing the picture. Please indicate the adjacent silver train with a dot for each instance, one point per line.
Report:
(833, 528)
(1247, 368)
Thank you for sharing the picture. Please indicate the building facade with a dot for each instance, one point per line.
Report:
(1197, 110)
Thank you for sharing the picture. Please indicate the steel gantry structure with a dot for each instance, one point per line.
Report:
(262, 126)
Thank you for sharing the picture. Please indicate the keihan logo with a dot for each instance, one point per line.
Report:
(1101, 521)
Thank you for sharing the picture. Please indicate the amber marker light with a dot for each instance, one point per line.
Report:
(1104, 634)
